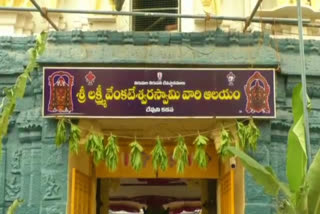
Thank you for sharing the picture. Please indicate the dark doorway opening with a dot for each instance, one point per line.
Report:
(156, 196)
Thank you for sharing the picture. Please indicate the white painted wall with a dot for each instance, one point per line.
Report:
(25, 23)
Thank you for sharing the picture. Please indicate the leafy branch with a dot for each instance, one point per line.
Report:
(8, 103)
(200, 155)
(136, 155)
(180, 154)
(111, 153)
(74, 138)
(61, 133)
(248, 135)
(301, 195)
(159, 156)
(226, 140)
(95, 146)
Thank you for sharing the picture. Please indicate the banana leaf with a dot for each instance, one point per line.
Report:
(264, 176)
(313, 183)
(296, 152)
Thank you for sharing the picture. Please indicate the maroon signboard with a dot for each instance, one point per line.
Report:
(158, 92)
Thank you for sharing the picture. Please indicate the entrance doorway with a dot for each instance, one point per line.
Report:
(156, 196)
(210, 190)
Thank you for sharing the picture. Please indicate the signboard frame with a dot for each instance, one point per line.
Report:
(158, 117)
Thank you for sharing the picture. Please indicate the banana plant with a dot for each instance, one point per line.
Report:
(302, 193)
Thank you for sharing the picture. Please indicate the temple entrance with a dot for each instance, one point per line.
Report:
(156, 196)
(96, 190)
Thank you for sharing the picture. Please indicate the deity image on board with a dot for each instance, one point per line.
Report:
(257, 91)
(61, 84)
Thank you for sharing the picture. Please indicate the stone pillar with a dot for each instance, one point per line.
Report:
(35, 176)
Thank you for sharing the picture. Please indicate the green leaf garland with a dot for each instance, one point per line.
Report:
(8, 103)
(61, 133)
(248, 135)
(253, 134)
(180, 154)
(159, 156)
(136, 155)
(74, 138)
(95, 146)
(111, 153)
(226, 141)
(242, 135)
(200, 155)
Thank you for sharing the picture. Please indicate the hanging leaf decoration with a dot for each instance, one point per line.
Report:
(111, 153)
(180, 154)
(200, 155)
(94, 145)
(136, 155)
(242, 135)
(248, 135)
(159, 156)
(61, 135)
(74, 138)
(8, 103)
(253, 134)
(226, 141)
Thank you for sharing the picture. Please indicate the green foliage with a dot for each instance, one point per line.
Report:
(262, 175)
(94, 145)
(159, 156)
(61, 133)
(313, 184)
(136, 156)
(226, 140)
(248, 135)
(180, 154)
(74, 138)
(8, 103)
(111, 153)
(14, 206)
(253, 134)
(296, 153)
(303, 191)
(242, 135)
(200, 155)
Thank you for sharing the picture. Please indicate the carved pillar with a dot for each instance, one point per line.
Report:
(34, 194)
(29, 124)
